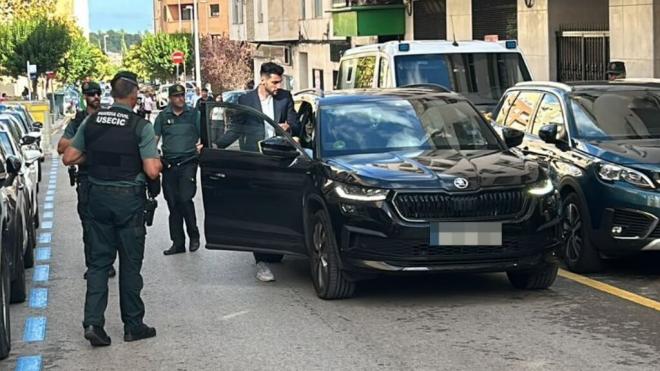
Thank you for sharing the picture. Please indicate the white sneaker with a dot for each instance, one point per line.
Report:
(263, 273)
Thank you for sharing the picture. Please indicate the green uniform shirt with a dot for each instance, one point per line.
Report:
(147, 144)
(180, 133)
(71, 130)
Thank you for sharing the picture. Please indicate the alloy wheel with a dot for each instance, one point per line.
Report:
(573, 232)
(320, 255)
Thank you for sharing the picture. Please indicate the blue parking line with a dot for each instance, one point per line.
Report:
(49, 198)
(50, 193)
(39, 298)
(42, 253)
(35, 329)
(45, 237)
(46, 225)
(48, 206)
(47, 215)
(29, 363)
(52, 187)
(52, 181)
(41, 273)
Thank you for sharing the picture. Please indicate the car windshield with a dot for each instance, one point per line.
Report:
(482, 77)
(617, 115)
(6, 144)
(398, 125)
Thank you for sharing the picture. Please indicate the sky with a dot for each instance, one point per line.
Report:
(130, 15)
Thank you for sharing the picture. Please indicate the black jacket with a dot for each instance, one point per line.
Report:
(250, 130)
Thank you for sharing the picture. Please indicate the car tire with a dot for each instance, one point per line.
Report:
(37, 219)
(5, 323)
(28, 257)
(268, 258)
(18, 286)
(578, 252)
(330, 281)
(38, 174)
(536, 279)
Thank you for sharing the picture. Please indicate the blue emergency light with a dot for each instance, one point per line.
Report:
(405, 47)
(511, 44)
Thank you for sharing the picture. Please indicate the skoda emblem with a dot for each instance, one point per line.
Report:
(529, 3)
(461, 183)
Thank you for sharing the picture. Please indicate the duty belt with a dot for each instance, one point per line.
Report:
(168, 164)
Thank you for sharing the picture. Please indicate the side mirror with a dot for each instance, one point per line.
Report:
(3, 173)
(38, 125)
(278, 147)
(13, 165)
(548, 133)
(28, 140)
(512, 137)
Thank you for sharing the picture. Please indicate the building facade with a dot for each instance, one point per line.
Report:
(561, 39)
(175, 16)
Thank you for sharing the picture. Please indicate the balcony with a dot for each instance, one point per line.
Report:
(368, 17)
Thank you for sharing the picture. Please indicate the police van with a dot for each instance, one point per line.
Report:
(480, 70)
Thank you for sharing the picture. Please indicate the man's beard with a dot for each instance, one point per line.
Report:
(95, 104)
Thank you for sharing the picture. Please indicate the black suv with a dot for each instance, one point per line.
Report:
(400, 180)
(603, 141)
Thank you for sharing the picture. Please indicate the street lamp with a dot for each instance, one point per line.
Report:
(195, 34)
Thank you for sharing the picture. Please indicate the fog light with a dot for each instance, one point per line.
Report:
(348, 209)
(617, 230)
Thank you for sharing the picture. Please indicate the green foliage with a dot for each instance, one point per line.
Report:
(38, 39)
(21, 9)
(133, 62)
(115, 40)
(82, 60)
(156, 50)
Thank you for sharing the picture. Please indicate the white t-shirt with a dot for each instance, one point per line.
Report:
(268, 109)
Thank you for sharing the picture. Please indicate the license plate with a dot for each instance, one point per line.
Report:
(466, 234)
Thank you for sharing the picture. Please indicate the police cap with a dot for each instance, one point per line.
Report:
(176, 89)
(127, 76)
(91, 87)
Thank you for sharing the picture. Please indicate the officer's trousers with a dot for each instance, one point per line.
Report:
(83, 198)
(116, 224)
(179, 188)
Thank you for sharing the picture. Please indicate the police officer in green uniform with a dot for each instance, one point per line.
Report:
(119, 149)
(178, 125)
(92, 93)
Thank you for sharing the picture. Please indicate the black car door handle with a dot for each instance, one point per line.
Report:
(217, 176)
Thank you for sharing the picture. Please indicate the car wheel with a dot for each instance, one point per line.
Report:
(535, 279)
(37, 220)
(5, 323)
(578, 252)
(31, 244)
(329, 280)
(39, 173)
(268, 258)
(18, 288)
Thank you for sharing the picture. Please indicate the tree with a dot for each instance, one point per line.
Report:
(21, 9)
(82, 60)
(40, 40)
(226, 64)
(156, 51)
(133, 62)
(115, 39)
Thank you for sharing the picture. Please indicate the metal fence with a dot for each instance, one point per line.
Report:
(582, 55)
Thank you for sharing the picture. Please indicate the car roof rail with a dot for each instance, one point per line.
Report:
(557, 85)
(314, 91)
(436, 87)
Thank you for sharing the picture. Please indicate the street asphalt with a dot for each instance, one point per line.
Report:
(212, 314)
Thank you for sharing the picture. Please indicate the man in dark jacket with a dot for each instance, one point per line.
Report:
(277, 104)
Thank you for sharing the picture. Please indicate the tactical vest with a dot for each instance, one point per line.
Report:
(112, 145)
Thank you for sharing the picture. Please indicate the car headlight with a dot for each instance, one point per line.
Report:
(543, 188)
(357, 193)
(611, 173)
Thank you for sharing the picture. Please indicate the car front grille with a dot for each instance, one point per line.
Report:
(634, 224)
(377, 248)
(445, 206)
(656, 233)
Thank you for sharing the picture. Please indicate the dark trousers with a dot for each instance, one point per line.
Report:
(179, 188)
(82, 189)
(116, 224)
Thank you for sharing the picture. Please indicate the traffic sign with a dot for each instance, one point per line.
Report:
(178, 57)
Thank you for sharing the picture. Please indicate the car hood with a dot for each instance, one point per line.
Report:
(434, 169)
(624, 152)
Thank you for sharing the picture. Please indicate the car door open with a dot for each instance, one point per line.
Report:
(253, 183)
